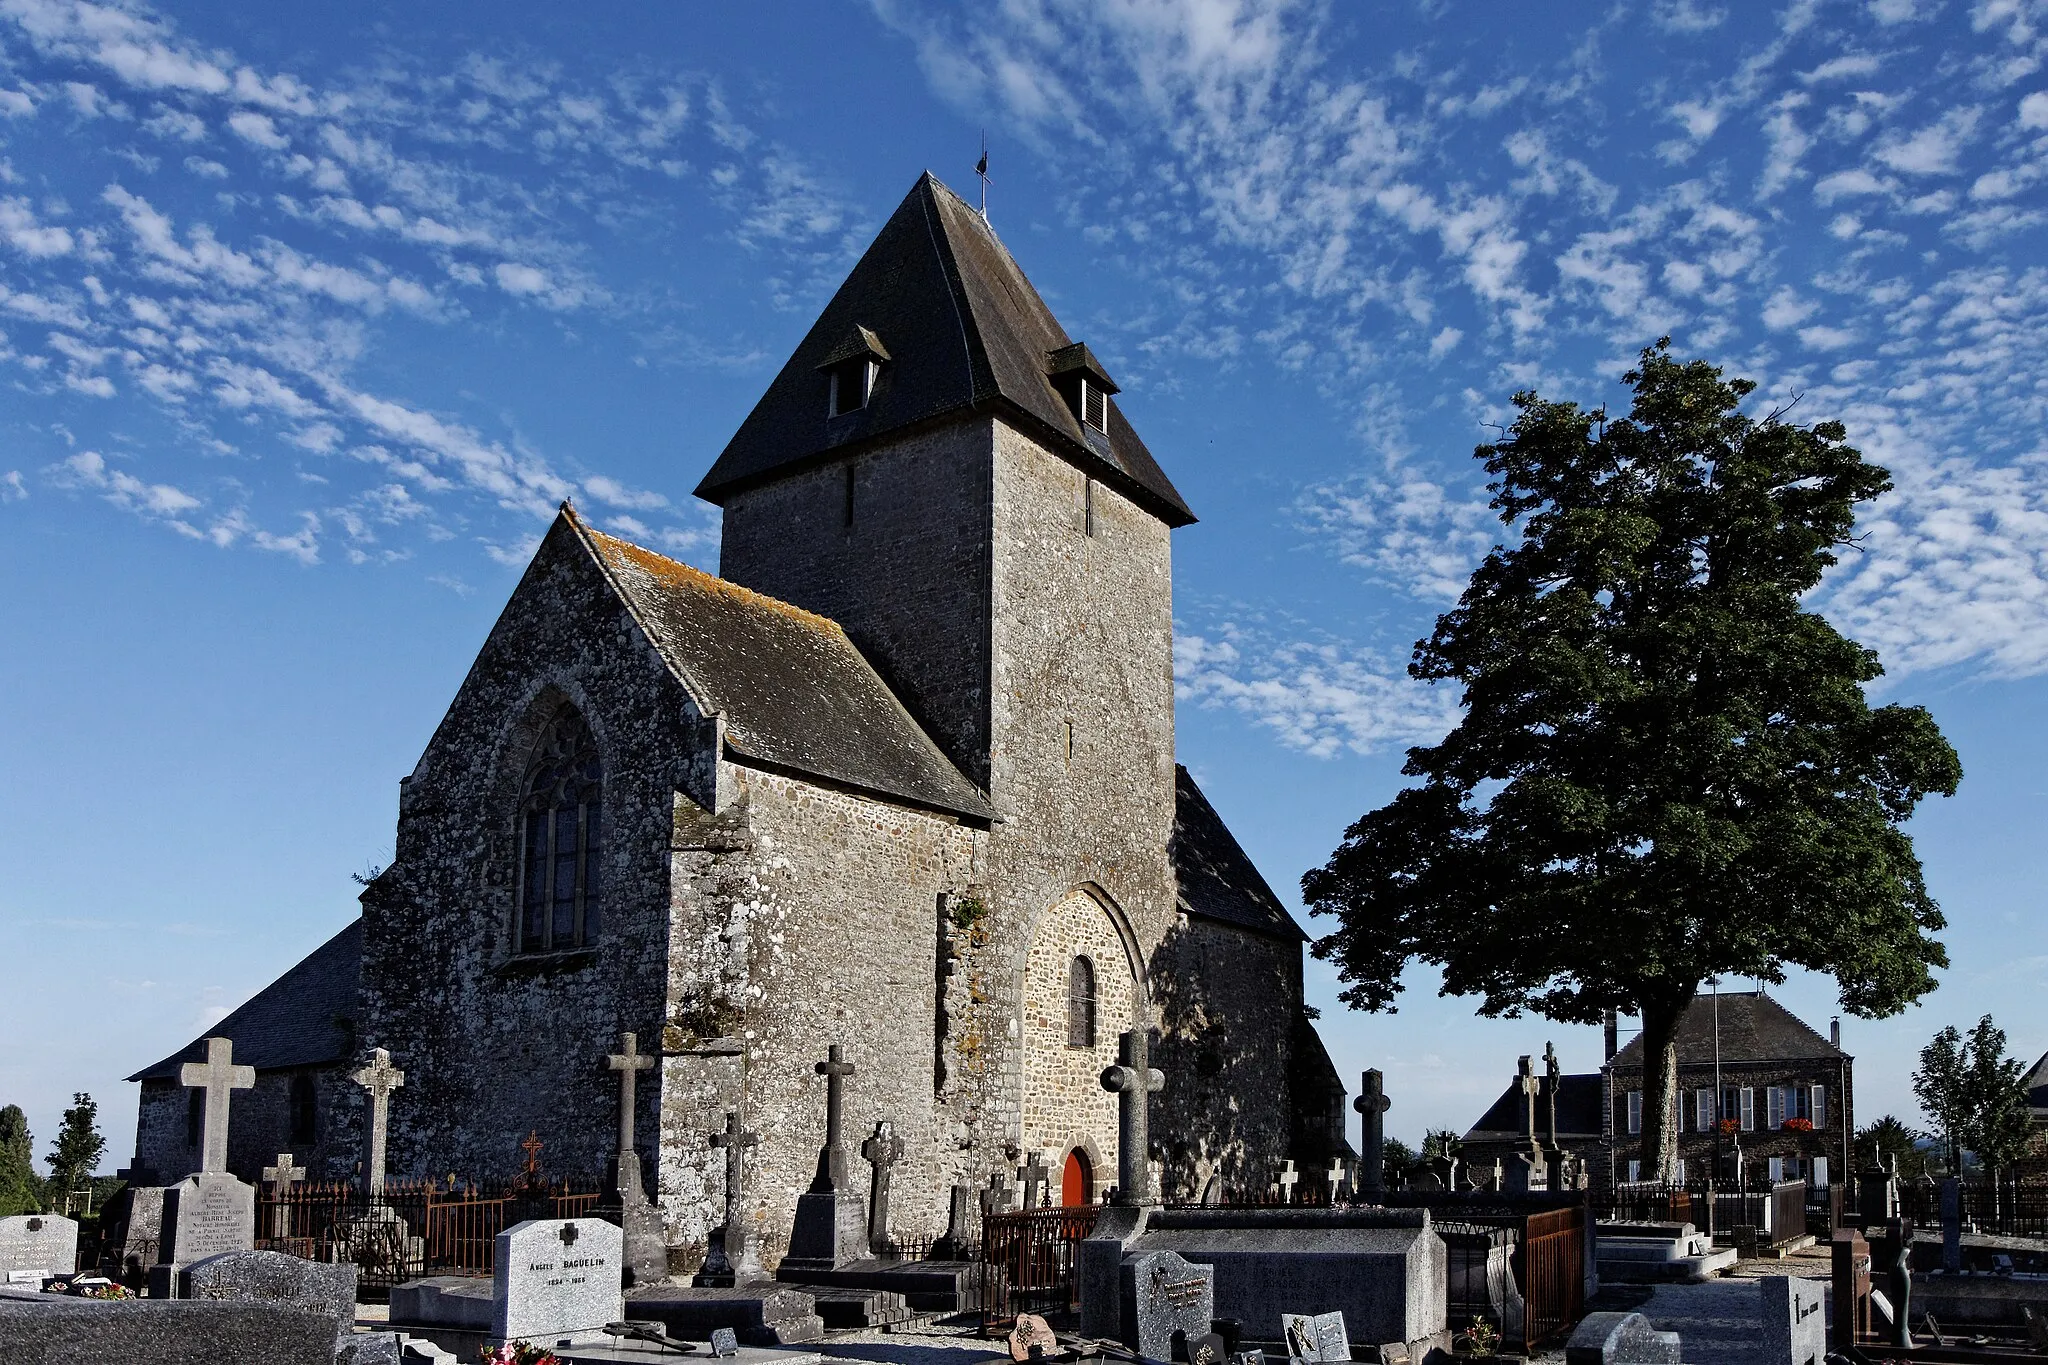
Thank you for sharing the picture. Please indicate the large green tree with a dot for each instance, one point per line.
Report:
(1975, 1094)
(77, 1149)
(20, 1189)
(1667, 767)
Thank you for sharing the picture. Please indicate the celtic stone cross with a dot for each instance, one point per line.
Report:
(380, 1078)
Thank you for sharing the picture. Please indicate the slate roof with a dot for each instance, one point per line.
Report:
(1754, 1028)
(964, 331)
(794, 691)
(2037, 1089)
(1217, 880)
(1579, 1101)
(304, 1018)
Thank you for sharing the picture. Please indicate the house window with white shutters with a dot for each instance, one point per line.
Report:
(1635, 1111)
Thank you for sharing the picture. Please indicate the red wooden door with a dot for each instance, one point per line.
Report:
(1077, 1182)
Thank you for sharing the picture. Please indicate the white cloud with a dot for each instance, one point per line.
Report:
(1932, 150)
(19, 228)
(520, 279)
(12, 488)
(258, 130)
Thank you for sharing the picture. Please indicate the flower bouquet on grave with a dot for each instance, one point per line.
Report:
(518, 1353)
(1798, 1125)
(1481, 1338)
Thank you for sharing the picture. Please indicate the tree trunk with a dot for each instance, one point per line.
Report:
(1660, 1085)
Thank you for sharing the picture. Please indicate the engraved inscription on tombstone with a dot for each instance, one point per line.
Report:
(1165, 1296)
(557, 1277)
(37, 1244)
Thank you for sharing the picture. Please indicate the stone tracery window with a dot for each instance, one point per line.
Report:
(561, 839)
(1081, 1003)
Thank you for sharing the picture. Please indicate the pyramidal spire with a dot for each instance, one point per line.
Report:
(936, 322)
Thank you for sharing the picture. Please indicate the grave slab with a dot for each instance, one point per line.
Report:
(462, 1302)
(162, 1332)
(763, 1314)
(1620, 1339)
(39, 1244)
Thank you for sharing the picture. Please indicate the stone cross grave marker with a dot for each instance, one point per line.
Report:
(281, 1178)
(832, 1174)
(1553, 1075)
(1336, 1178)
(380, 1078)
(996, 1198)
(1134, 1080)
(731, 1256)
(218, 1077)
(881, 1152)
(1525, 1077)
(1372, 1105)
(1033, 1177)
(629, 1062)
(1287, 1180)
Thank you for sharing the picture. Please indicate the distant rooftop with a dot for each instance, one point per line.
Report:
(1753, 1028)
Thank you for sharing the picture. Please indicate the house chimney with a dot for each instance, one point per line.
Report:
(1835, 1032)
(1611, 1025)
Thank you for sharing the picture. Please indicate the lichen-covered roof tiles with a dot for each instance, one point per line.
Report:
(1753, 1028)
(963, 329)
(1217, 879)
(304, 1018)
(794, 691)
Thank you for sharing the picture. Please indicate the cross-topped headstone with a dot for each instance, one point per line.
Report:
(832, 1174)
(996, 1198)
(1288, 1179)
(380, 1078)
(1335, 1175)
(1553, 1075)
(1372, 1105)
(281, 1178)
(629, 1062)
(217, 1076)
(1034, 1175)
(1134, 1081)
(1525, 1077)
(881, 1152)
(731, 1255)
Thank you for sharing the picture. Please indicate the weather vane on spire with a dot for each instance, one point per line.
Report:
(981, 169)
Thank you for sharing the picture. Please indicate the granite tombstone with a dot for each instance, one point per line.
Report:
(269, 1277)
(556, 1278)
(1795, 1320)
(204, 1215)
(1167, 1300)
(34, 1245)
(1620, 1339)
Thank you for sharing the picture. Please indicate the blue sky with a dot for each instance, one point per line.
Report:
(308, 318)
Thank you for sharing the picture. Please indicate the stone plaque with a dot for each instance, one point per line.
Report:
(1317, 1337)
(37, 1244)
(205, 1215)
(557, 1277)
(724, 1342)
(1795, 1320)
(1165, 1296)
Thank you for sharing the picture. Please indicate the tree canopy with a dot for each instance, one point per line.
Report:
(20, 1189)
(1975, 1095)
(1667, 768)
(78, 1147)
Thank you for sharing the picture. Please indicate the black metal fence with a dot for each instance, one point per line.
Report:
(2008, 1208)
(1775, 1211)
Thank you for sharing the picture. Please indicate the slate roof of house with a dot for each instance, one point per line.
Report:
(304, 1018)
(1217, 880)
(794, 691)
(2037, 1089)
(963, 330)
(1579, 1100)
(1753, 1028)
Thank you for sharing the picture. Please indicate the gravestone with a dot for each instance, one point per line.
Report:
(34, 1245)
(1315, 1337)
(270, 1277)
(1287, 1180)
(1134, 1080)
(281, 1177)
(1335, 1177)
(958, 1240)
(1850, 1286)
(997, 1197)
(724, 1342)
(204, 1215)
(1952, 1225)
(1372, 1105)
(1033, 1178)
(1164, 1297)
(1620, 1339)
(731, 1260)
(557, 1278)
(831, 1219)
(140, 1220)
(1795, 1320)
(1553, 1078)
(881, 1152)
(218, 1077)
(646, 1247)
(380, 1078)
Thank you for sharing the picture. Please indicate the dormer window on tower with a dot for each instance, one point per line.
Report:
(851, 369)
(1083, 383)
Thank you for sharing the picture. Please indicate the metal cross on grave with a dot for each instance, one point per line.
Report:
(629, 1062)
(881, 1152)
(1372, 1105)
(996, 1198)
(1336, 1178)
(1287, 1180)
(1034, 1175)
(281, 1178)
(217, 1076)
(832, 1174)
(1553, 1074)
(1134, 1081)
(380, 1078)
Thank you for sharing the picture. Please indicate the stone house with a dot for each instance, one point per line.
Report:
(1785, 1091)
(901, 778)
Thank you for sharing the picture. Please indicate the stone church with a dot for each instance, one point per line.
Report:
(901, 778)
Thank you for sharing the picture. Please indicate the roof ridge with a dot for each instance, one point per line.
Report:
(712, 581)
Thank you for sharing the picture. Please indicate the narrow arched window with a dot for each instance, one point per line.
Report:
(1081, 1003)
(561, 839)
(305, 1107)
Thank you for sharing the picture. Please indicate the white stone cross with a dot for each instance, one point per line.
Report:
(1531, 1087)
(380, 1078)
(217, 1076)
(629, 1063)
(1336, 1177)
(1289, 1178)
(281, 1178)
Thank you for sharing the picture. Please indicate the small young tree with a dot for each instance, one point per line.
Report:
(78, 1148)
(1999, 1122)
(1441, 1143)
(1397, 1160)
(1941, 1084)
(1667, 768)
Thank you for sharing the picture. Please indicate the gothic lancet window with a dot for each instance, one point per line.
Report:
(1081, 1003)
(561, 840)
(305, 1107)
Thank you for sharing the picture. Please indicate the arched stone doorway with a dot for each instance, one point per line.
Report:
(1077, 1180)
(1077, 997)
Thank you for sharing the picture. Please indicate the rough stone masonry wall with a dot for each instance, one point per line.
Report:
(496, 1045)
(802, 917)
(259, 1127)
(1065, 1106)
